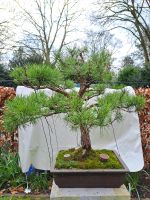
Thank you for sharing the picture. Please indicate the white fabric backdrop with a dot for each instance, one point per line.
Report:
(39, 143)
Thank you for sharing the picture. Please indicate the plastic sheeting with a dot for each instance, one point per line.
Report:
(39, 143)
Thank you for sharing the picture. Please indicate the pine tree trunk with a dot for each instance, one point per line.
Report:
(85, 138)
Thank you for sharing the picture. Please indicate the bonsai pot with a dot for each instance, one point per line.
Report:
(91, 178)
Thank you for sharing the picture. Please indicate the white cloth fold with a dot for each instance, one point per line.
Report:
(39, 143)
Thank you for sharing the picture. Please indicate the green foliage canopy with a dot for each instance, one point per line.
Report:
(74, 103)
(77, 65)
(5, 79)
(130, 75)
(23, 56)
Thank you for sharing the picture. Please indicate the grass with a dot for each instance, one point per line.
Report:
(139, 183)
(23, 198)
(14, 198)
(11, 175)
(91, 161)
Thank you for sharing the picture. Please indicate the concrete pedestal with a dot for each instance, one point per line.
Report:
(89, 193)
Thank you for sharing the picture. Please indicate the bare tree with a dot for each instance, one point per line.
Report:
(102, 40)
(7, 34)
(131, 15)
(127, 61)
(3, 34)
(50, 22)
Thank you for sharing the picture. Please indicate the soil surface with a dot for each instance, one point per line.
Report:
(75, 159)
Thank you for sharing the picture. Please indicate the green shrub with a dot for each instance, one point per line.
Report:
(11, 175)
(10, 172)
(130, 76)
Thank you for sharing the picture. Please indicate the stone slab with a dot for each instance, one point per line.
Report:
(89, 193)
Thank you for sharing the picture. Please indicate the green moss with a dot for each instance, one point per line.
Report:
(91, 161)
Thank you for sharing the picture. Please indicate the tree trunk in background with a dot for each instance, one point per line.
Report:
(130, 15)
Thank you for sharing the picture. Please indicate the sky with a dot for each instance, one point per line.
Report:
(83, 23)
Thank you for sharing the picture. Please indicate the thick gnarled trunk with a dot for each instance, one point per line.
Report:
(85, 138)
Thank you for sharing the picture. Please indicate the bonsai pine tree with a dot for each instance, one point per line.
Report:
(77, 66)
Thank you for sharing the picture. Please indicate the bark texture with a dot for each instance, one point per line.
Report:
(85, 138)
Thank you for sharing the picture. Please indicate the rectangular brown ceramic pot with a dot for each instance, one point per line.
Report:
(91, 178)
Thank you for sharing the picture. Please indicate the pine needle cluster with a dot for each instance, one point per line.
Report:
(90, 71)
